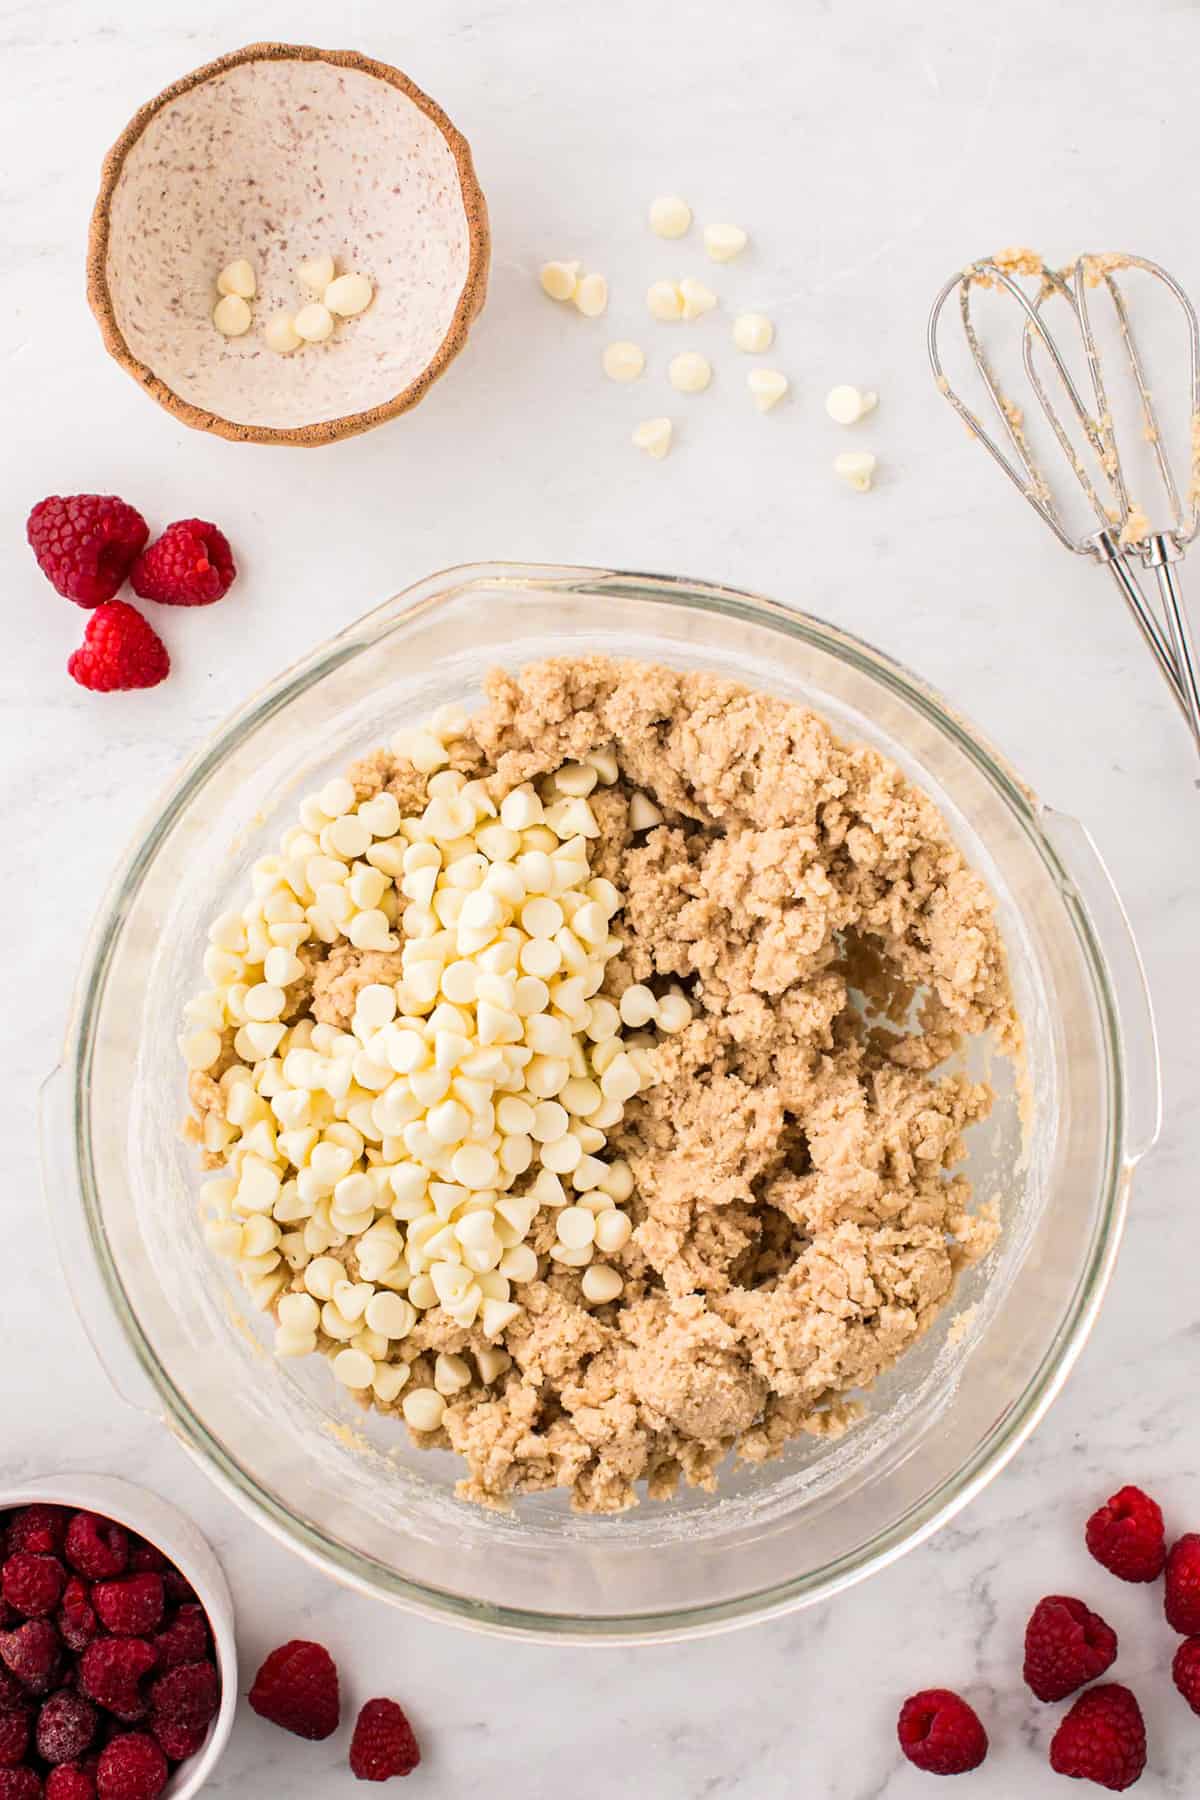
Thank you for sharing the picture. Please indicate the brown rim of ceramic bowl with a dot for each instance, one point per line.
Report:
(469, 303)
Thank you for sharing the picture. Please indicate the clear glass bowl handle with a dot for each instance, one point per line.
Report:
(77, 1254)
(1095, 890)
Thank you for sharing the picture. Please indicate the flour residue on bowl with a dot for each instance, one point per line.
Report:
(279, 161)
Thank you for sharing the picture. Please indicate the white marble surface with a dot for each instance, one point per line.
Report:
(869, 148)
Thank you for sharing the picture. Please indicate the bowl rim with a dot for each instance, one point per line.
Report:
(998, 1444)
(470, 300)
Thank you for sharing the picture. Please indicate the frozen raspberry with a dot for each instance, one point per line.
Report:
(96, 1547)
(940, 1733)
(184, 1640)
(188, 1695)
(110, 1673)
(31, 1652)
(131, 1606)
(178, 1742)
(20, 1784)
(1102, 1739)
(13, 1697)
(132, 1767)
(1066, 1646)
(1185, 1671)
(1182, 1597)
(38, 1528)
(119, 651)
(33, 1583)
(66, 1726)
(191, 564)
(14, 1738)
(1126, 1536)
(77, 1621)
(85, 544)
(70, 1781)
(178, 1588)
(383, 1744)
(297, 1688)
(145, 1559)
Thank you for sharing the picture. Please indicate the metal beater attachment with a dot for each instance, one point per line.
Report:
(1087, 436)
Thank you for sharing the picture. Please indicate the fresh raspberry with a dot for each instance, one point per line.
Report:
(1185, 1671)
(1182, 1597)
(383, 1744)
(1126, 1536)
(146, 1559)
(1102, 1739)
(96, 1547)
(110, 1673)
(66, 1726)
(77, 1621)
(189, 1695)
(131, 1606)
(119, 651)
(1066, 1646)
(191, 564)
(86, 544)
(33, 1583)
(184, 1640)
(940, 1733)
(20, 1784)
(38, 1528)
(70, 1781)
(31, 1652)
(178, 1742)
(297, 1688)
(14, 1738)
(132, 1767)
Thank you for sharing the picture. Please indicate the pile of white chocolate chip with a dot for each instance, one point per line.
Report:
(335, 297)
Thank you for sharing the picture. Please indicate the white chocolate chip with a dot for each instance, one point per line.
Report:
(237, 277)
(559, 279)
(347, 295)
(231, 316)
(591, 296)
(664, 301)
(601, 1284)
(753, 333)
(724, 242)
(654, 437)
(670, 217)
(857, 468)
(643, 813)
(423, 1409)
(623, 361)
(317, 273)
(689, 372)
(846, 405)
(696, 299)
(767, 387)
(313, 322)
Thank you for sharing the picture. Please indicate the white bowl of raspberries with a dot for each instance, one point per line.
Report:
(118, 1665)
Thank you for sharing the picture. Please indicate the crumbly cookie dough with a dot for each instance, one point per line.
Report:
(798, 1219)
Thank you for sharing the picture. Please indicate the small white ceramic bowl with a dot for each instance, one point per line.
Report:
(170, 1531)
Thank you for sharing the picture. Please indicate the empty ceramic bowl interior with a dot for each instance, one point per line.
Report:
(347, 1488)
(280, 155)
(172, 1532)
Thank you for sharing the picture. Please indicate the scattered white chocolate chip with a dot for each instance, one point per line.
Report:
(664, 301)
(856, 467)
(313, 322)
(767, 386)
(689, 372)
(696, 298)
(654, 437)
(623, 361)
(231, 316)
(591, 296)
(559, 279)
(753, 332)
(724, 242)
(280, 333)
(846, 405)
(237, 277)
(347, 295)
(601, 1283)
(670, 217)
(317, 273)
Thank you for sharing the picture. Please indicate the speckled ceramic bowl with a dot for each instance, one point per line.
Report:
(278, 153)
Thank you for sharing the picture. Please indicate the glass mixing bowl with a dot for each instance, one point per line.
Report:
(345, 1489)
